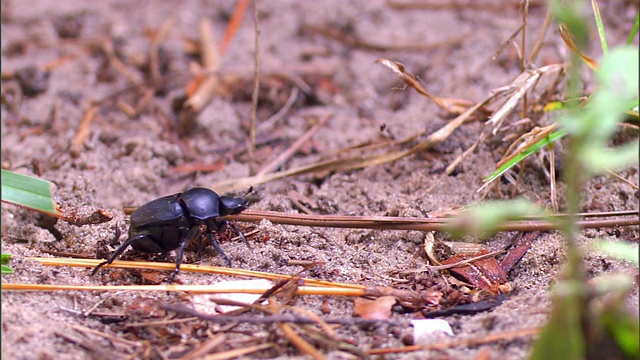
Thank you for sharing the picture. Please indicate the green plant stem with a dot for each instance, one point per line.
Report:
(573, 179)
(634, 30)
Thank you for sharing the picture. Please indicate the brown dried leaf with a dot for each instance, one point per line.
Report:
(152, 277)
(410, 80)
(485, 274)
(378, 309)
(145, 308)
(568, 39)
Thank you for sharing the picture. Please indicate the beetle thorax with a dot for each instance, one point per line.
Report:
(200, 204)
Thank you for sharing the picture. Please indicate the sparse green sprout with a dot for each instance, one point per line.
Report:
(4, 261)
(29, 192)
(484, 220)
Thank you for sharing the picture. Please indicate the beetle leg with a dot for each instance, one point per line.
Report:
(193, 233)
(200, 247)
(117, 253)
(216, 245)
(237, 230)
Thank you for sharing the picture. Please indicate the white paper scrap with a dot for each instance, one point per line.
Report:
(424, 329)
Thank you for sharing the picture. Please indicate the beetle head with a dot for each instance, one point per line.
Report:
(230, 205)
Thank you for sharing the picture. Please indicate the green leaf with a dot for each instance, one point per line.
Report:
(29, 192)
(624, 329)
(485, 219)
(600, 26)
(5, 260)
(600, 160)
(634, 30)
(619, 250)
(553, 137)
(562, 337)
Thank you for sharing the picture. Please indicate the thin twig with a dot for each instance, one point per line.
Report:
(161, 322)
(234, 24)
(83, 129)
(154, 48)
(205, 348)
(293, 148)
(352, 41)
(238, 353)
(552, 177)
(122, 264)
(507, 335)
(635, 186)
(106, 336)
(265, 125)
(535, 50)
(523, 64)
(298, 341)
(274, 319)
(256, 90)
(211, 62)
(404, 223)
(453, 265)
(195, 289)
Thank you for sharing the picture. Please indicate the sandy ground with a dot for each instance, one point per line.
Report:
(128, 161)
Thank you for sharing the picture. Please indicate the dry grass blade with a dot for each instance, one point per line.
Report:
(195, 289)
(525, 13)
(90, 346)
(519, 88)
(410, 80)
(453, 265)
(625, 218)
(527, 140)
(83, 130)
(451, 167)
(498, 6)
(256, 89)
(205, 348)
(121, 264)
(210, 54)
(451, 106)
(234, 24)
(353, 41)
(356, 162)
(507, 335)
(552, 178)
(132, 76)
(320, 321)
(154, 48)
(535, 50)
(111, 338)
(304, 346)
(507, 42)
(211, 62)
(232, 354)
(273, 318)
(634, 186)
(568, 39)
(282, 158)
(267, 124)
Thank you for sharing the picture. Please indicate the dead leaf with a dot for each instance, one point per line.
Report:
(485, 274)
(378, 309)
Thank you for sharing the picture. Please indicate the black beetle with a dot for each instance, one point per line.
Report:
(171, 222)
